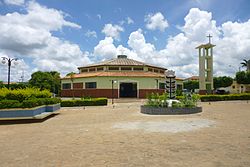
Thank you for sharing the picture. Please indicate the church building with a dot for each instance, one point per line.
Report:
(116, 78)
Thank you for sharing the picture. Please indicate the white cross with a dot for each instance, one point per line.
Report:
(209, 38)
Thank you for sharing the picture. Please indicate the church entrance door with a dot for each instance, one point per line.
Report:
(128, 90)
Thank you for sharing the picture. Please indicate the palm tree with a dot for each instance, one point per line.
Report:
(246, 63)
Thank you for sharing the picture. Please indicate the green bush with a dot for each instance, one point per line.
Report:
(177, 105)
(85, 102)
(205, 98)
(156, 100)
(179, 97)
(10, 104)
(30, 103)
(68, 103)
(23, 94)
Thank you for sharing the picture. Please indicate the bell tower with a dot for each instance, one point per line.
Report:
(206, 67)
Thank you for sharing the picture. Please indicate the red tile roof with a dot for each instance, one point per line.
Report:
(192, 78)
(117, 74)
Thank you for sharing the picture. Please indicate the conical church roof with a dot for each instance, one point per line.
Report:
(121, 60)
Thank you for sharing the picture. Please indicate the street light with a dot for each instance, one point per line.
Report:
(113, 81)
(9, 60)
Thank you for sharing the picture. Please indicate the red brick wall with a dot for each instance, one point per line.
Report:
(104, 92)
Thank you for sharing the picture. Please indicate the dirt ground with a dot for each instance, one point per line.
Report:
(92, 137)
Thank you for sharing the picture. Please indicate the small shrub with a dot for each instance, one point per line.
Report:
(68, 103)
(205, 98)
(177, 105)
(10, 104)
(23, 94)
(85, 102)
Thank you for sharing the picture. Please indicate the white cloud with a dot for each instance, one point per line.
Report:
(29, 35)
(232, 40)
(156, 21)
(14, 2)
(129, 20)
(198, 24)
(112, 31)
(105, 49)
(91, 34)
(139, 45)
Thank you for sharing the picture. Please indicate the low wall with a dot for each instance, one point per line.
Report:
(169, 111)
(27, 112)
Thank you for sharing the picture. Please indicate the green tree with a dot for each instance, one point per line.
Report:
(191, 85)
(223, 81)
(46, 80)
(1, 84)
(243, 77)
(56, 86)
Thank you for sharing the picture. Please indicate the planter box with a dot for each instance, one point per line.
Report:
(28, 112)
(169, 111)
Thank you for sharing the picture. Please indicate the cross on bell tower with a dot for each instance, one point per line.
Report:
(206, 85)
(209, 38)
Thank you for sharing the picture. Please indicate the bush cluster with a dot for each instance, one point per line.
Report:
(30, 103)
(85, 102)
(244, 96)
(23, 94)
(25, 98)
(156, 100)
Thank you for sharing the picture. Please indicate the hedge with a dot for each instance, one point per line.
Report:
(28, 103)
(85, 102)
(205, 98)
(23, 94)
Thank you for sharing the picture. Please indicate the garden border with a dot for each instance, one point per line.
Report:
(39, 112)
(169, 110)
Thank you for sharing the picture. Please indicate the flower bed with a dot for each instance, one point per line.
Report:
(162, 105)
(28, 112)
(27, 103)
(169, 110)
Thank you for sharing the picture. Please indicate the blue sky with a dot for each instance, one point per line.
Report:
(62, 35)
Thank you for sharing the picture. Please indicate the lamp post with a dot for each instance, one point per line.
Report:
(113, 81)
(170, 74)
(9, 61)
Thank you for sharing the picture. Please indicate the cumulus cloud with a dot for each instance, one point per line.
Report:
(112, 31)
(105, 49)
(29, 35)
(129, 20)
(156, 21)
(91, 34)
(14, 2)
(231, 40)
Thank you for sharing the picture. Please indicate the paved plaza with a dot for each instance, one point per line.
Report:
(122, 136)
